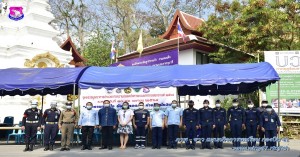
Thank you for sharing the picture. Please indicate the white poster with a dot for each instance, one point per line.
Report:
(133, 96)
(287, 65)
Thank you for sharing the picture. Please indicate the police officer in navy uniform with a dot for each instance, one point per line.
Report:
(220, 122)
(190, 122)
(206, 123)
(50, 124)
(236, 119)
(270, 125)
(31, 123)
(141, 123)
(252, 122)
(261, 134)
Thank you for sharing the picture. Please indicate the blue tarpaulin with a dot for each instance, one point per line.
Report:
(208, 79)
(33, 81)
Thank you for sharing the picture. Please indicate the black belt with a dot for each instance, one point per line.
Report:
(68, 122)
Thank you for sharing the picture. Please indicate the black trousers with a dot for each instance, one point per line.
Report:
(87, 135)
(30, 133)
(107, 134)
(173, 133)
(157, 133)
(140, 138)
(50, 133)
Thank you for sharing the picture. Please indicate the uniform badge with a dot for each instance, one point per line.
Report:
(146, 90)
(16, 13)
(266, 119)
(118, 90)
(127, 90)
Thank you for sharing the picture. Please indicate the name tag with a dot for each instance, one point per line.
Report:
(272, 121)
(144, 116)
(35, 116)
(266, 119)
(55, 116)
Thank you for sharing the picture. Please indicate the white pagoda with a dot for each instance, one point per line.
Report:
(27, 41)
(26, 38)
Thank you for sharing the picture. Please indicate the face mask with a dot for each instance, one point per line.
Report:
(89, 107)
(174, 105)
(125, 107)
(218, 105)
(269, 110)
(141, 107)
(33, 106)
(156, 108)
(68, 107)
(106, 105)
(191, 106)
(235, 104)
(205, 105)
(250, 106)
(264, 105)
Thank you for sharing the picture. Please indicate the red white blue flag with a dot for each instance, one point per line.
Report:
(180, 32)
(113, 51)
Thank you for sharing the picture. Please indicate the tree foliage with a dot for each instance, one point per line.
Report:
(254, 26)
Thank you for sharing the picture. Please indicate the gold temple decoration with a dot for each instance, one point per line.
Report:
(39, 61)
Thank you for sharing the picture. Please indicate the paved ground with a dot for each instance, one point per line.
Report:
(17, 151)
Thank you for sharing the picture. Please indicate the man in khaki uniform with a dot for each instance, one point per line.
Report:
(67, 122)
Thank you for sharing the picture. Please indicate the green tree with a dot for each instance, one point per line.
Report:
(97, 50)
(253, 27)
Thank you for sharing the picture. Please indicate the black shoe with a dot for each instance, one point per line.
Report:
(89, 148)
(62, 149)
(110, 148)
(169, 147)
(175, 147)
(158, 147)
(193, 147)
(215, 147)
(187, 147)
(26, 148)
(202, 147)
(103, 147)
(51, 147)
(221, 147)
(153, 147)
(67, 149)
(31, 147)
(208, 147)
(46, 147)
(83, 147)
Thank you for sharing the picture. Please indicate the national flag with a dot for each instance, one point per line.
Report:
(180, 32)
(140, 47)
(113, 51)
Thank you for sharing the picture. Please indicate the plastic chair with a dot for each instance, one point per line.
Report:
(97, 135)
(77, 134)
(40, 137)
(17, 133)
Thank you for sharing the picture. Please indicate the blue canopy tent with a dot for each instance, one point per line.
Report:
(42, 81)
(208, 79)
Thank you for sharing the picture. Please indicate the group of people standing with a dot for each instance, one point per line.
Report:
(127, 121)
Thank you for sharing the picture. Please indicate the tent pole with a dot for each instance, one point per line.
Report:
(79, 93)
(278, 92)
(42, 104)
(73, 97)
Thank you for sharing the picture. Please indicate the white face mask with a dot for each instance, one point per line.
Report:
(235, 104)
(141, 107)
(250, 106)
(218, 105)
(269, 110)
(205, 105)
(106, 105)
(174, 105)
(68, 107)
(33, 106)
(89, 107)
(264, 105)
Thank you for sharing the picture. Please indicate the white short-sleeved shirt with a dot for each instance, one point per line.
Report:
(125, 115)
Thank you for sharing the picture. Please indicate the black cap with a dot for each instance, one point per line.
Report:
(191, 102)
(235, 100)
(264, 102)
(205, 101)
(218, 101)
(269, 106)
(249, 101)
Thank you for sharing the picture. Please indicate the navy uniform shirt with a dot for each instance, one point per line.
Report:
(206, 116)
(107, 116)
(141, 116)
(190, 116)
(236, 114)
(269, 121)
(220, 115)
(252, 116)
(51, 115)
(32, 115)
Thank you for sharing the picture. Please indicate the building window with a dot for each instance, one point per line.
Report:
(202, 58)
